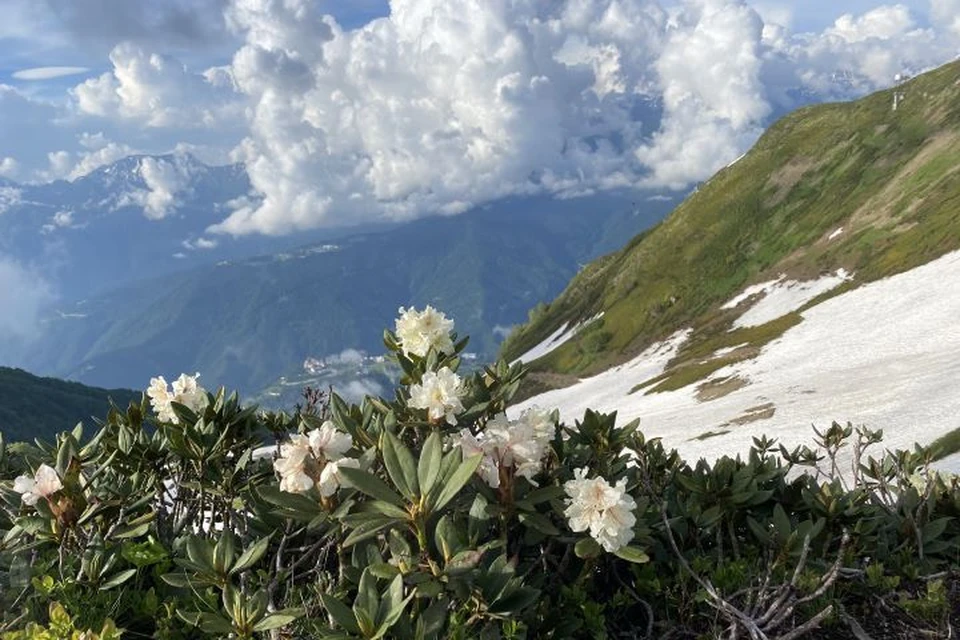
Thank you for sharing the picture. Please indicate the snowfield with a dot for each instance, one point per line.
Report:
(780, 297)
(555, 339)
(885, 355)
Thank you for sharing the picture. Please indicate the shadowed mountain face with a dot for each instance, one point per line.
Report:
(245, 322)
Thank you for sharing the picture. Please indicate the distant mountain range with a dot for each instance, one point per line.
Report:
(815, 279)
(129, 309)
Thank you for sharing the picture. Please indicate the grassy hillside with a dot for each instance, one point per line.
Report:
(33, 407)
(890, 178)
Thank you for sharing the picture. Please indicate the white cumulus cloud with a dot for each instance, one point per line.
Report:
(156, 89)
(48, 73)
(446, 104)
(165, 181)
(9, 167)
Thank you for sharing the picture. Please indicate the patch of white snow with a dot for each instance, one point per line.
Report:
(784, 296)
(885, 355)
(555, 339)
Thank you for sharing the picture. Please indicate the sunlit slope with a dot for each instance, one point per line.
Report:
(860, 186)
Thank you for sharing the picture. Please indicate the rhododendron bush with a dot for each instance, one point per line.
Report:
(432, 514)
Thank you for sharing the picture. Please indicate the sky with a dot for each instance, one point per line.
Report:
(347, 111)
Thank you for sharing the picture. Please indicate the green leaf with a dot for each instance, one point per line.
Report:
(935, 529)
(131, 531)
(224, 552)
(391, 598)
(400, 466)
(251, 556)
(367, 529)
(118, 579)
(542, 494)
(632, 554)
(539, 522)
(389, 510)
(200, 552)
(367, 600)
(429, 466)
(212, 623)
(371, 485)
(340, 613)
(587, 548)
(514, 600)
(176, 580)
(457, 480)
(277, 620)
(393, 594)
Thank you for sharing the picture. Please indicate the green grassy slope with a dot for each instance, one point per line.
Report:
(33, 407)
(890, 178)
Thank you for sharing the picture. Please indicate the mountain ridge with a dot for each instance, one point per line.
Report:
(40, 407)
(880, 178)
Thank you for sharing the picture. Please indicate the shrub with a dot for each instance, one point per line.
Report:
(432, 514)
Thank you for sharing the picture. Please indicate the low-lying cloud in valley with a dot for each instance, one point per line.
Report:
(24, 294)
(442, 105)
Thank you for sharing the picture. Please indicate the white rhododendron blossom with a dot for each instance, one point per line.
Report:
(44, 483)
(541, 421)
(314, 459)
(605, 511)
(330, 479)
(439, 393)
(291, 465)
(519, 444)
(329, 443)
(185, 391)
(418, 331)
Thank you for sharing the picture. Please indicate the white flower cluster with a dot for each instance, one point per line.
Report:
(519, 444)
(440, 394)
(418, 331)
(605, 510)
(185, 391)
(314, 459)
(44, 483)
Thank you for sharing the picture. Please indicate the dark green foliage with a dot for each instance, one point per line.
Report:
(33, 407)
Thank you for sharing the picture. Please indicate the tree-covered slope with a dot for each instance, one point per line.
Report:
(33, 407)
(864, 186)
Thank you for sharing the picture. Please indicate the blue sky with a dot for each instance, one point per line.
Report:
(344, 110)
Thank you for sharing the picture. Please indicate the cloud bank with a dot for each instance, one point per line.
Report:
(445, 104)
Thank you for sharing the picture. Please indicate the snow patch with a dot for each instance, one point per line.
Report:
(885, 355)
(741, 157)
(555, 339)
(781, 297)
(609, 389)
(719, 353)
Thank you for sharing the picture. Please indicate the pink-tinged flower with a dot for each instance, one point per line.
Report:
(43, 484)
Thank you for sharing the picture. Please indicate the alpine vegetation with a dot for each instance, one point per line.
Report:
(431, 514)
